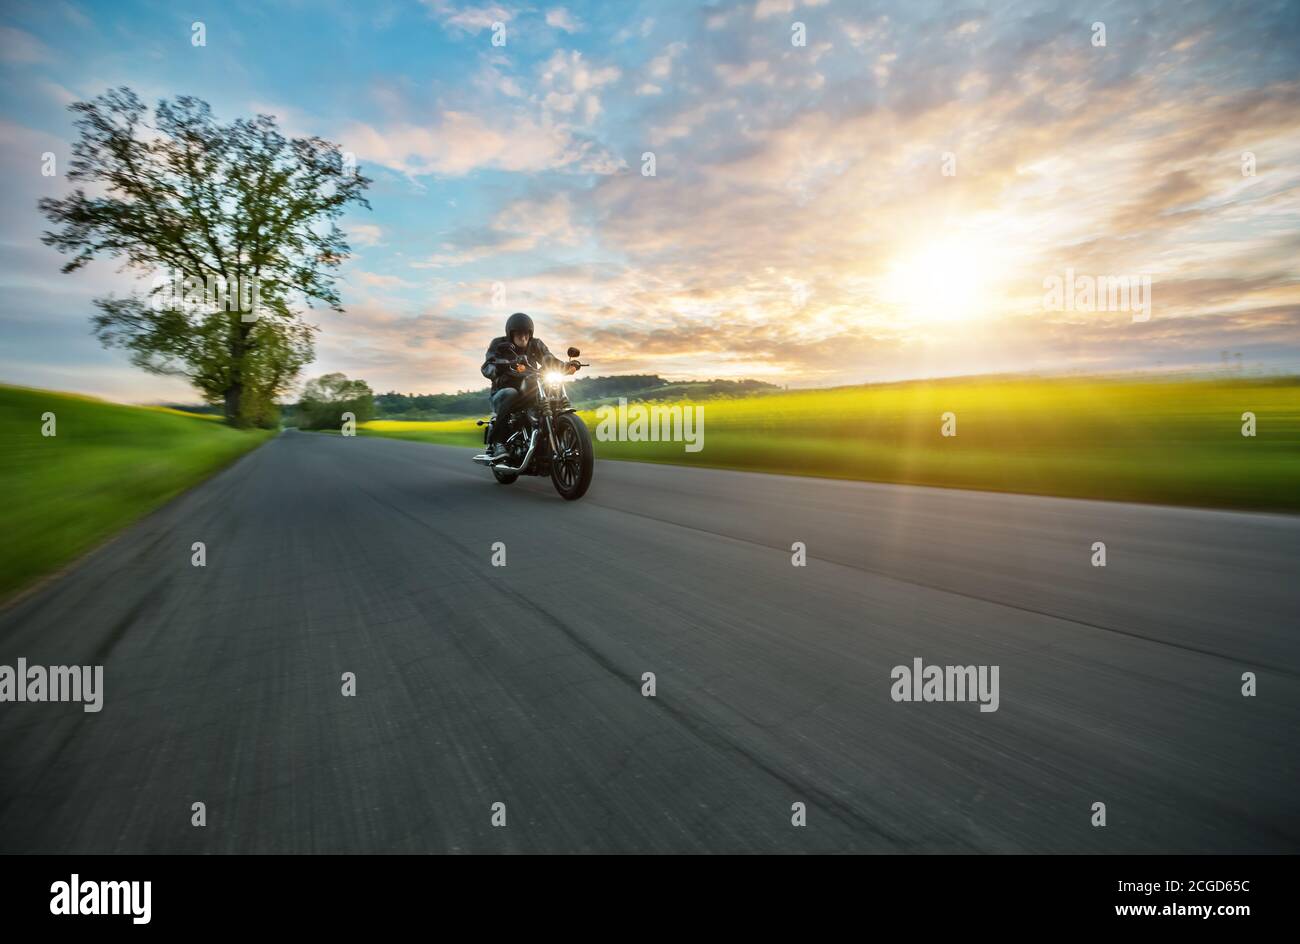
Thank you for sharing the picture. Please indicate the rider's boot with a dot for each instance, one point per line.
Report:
(495, 447)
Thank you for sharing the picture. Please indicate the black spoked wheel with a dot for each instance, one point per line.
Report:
(571, 467)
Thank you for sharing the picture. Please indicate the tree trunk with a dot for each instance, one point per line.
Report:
(234, 407)
(234, 404)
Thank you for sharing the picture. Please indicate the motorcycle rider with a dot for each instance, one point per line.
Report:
(504, 366)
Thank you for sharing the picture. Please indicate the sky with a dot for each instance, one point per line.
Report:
(841, 192)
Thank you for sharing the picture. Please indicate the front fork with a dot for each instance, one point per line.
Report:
(550, 435)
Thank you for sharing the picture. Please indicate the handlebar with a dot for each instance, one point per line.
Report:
(527, 367)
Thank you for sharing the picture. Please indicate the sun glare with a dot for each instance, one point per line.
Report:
(946, 280)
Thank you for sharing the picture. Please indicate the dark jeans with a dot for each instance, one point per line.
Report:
(503, 402)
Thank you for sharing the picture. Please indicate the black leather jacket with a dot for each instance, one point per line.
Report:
(537, 353)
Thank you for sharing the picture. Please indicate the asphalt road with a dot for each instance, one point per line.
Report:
(522, 684)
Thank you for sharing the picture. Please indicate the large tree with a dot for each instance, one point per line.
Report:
(203, 204)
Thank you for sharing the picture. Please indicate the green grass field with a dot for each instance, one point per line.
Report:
(1161, 441)
(107, 466)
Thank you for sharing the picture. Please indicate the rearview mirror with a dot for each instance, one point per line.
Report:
(574, 352)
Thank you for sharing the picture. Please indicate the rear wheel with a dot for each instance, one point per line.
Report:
(572, 465)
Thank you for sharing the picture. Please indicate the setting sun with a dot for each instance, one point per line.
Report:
(946, 280)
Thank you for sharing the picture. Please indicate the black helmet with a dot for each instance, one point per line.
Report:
(518, 322)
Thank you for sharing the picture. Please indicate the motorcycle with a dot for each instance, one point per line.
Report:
(545, 436)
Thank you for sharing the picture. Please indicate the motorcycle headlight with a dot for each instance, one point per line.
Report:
(554, 377)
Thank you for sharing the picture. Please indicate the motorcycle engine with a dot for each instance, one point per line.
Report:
(516, 446)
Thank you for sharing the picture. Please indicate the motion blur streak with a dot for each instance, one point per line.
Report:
(521, 684)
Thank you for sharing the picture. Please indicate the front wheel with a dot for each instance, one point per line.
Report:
(571, 467)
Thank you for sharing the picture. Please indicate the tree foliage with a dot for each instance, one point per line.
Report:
(202, 203)
(325, 400)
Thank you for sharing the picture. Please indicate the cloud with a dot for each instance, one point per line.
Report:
(661, 66)
(469, 19)
(569, 82)
(75, 15)
(521, 226)
(494, 123)
(365, 234)
(732, 74)
(414, 350)
(375, 280)
(562, 19)
(765, 9)
(57, 93)
(20, 48)
(457, 143)
(293, 122)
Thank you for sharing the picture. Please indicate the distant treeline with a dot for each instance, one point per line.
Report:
(203, 408)
(586, 391)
